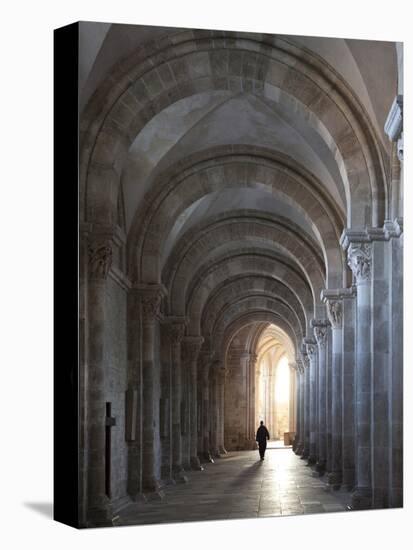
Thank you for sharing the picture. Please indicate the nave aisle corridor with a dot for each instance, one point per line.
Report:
(241, 486)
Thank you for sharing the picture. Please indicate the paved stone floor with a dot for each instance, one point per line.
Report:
(241, 486)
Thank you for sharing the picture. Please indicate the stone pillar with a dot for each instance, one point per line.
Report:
(306, 408)
(176, 330)
(214, 409)
(348, 386)
(221, 372)
(395, 234)
(292, 402)
(329, 362)
(204, 369)
(312, 356)
(191, 347)
(299, 442)
(334, 310)
(151, 298)
(359, 259)
(252, 394)
(320, 333)
(99, 509)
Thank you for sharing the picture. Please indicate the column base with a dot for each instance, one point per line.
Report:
(206, 457)
(320, 467)
(215, 453)
(334, 480)
(196, 464)
(311, 461)
(179, 475)
(361, 499)
(101, 516)
(222, 451)
(152, 489)
(299, 449)
(305, 454)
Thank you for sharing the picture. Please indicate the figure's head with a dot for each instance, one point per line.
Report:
(262, 423)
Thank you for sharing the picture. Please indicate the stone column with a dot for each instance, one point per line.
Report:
(214, 409)
(221, 372)
(176, 330)
(151, 298)
(252, 393)
(292, 402)
(334, 310)
(320, 333)
(204, 369)
(359, 259)
(306, 408)
(191, 348)
(329, 362)
(348, 387)
(299, 445)
(312, 356)
(99, 510)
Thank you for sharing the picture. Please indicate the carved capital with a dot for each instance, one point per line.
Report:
(300, 366)
(359, 261)
(306, 361)
(100, 259)
(335, 313)
(151, 296)
(191, 346)
(311, 351)
(393, 126)
(320, 334)
(176, 330)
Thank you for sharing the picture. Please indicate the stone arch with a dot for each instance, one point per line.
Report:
(255, 228)
(250, 264)
(255, 304)
(242, 286)
(252, 318)
(230, 167)
(188, 63)
(254, 301)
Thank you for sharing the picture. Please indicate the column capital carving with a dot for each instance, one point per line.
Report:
(320, 332)
(305, 360)
(393, 127)
(333, 301)
(311, 351)
(176, 329)
(335, 312)
(359, 261)
(191, 346)
(151, 299)
(300, 366)
(100, 254)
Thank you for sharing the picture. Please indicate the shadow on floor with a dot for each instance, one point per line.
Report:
(43, 508)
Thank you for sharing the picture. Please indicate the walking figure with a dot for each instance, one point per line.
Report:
(262, 436)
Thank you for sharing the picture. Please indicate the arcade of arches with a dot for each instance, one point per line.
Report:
(241, 237)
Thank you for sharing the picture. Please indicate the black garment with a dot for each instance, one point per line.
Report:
(261, 437)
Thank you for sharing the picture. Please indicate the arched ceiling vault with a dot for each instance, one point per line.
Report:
(236, 160)
(268, 67)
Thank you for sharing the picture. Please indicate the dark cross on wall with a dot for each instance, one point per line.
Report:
(110, 421)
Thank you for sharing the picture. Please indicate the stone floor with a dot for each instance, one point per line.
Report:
(242, 486)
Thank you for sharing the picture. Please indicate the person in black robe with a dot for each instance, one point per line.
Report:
(261, 438)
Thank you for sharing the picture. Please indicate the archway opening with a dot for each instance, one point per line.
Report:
(274, 383)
